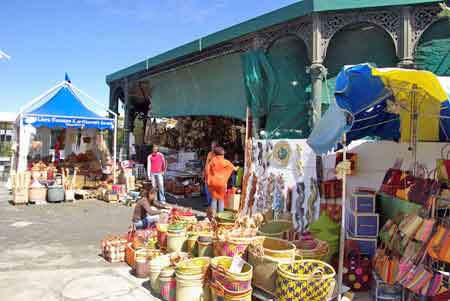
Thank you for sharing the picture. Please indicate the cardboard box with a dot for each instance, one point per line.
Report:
(363, 202)
(362, 224)
(367, 246)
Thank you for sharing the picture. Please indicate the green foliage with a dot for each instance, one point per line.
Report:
(5, 149)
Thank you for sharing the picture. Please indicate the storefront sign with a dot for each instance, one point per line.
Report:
(68, 122)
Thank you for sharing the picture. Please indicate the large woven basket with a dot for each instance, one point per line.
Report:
(235, 282)
(275, 228)
(311, 280)
(264, 254)
(311, 249)
(193, 266)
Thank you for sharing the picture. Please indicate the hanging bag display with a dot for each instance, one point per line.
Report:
(391, 181)
(404, 187)
(410, 224)
(423, 188)
(443, 165)
(444, 247)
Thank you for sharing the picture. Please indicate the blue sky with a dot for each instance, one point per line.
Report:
(92, 38)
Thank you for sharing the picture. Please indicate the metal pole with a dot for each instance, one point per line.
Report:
(115, 149)
(342, 235)
(414, 129)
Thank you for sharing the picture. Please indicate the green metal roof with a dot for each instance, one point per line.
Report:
(284, 14)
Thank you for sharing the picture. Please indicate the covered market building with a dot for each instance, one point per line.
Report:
(281, 65)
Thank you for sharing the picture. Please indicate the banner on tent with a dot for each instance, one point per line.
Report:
(68, 122)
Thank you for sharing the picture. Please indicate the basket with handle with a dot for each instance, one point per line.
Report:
(264, 254)
(235, 282)
(218, 293)
(310, 279)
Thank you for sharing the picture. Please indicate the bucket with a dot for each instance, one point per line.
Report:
(168, 284)
(155, 267)
(276, 228)
(38, 194)
(142, 269)
(176, 242)
(205, 249)
(191, 288)
(55, 193)
(219, 293)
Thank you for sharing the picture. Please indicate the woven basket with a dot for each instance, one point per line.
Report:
(311, 280)
(193, 266)
(231, 246)
(235, 282)
(220, 293)
(265, 254)
(311, 249)
(276, 228)
(273, 247)
(226, 217)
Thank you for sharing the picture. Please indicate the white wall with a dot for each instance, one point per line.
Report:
(376, 157)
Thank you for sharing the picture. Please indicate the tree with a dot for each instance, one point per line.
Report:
(445, 13)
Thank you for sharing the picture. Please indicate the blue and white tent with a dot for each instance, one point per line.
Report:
(62, 107)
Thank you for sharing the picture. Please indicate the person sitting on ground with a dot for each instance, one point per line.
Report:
(144, 215)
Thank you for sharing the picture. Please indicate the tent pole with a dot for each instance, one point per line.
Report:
(19, 153)
(342, 235)
(115, 149)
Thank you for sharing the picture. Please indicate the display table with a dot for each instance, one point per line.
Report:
(389, 207)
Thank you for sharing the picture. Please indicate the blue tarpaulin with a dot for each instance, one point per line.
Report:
(64, 109)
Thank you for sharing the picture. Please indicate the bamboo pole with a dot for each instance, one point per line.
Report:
(342, 235)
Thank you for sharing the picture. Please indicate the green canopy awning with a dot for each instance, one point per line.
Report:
(214, 87)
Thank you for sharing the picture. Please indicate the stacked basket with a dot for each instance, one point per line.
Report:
(227, 285)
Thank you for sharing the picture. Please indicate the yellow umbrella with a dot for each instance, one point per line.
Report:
(415, 92)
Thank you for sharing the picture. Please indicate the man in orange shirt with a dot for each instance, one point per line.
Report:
(208, 160)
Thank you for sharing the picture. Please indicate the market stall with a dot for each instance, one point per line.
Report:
(410, 179)
(186, 141)
(59, 135)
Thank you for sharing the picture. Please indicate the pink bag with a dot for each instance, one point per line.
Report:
(404, 267)
(425, 230)
(434, 286)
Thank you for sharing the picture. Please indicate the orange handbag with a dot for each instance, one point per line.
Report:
(444, 248)
(438, 238)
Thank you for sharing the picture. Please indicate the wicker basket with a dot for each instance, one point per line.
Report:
(311, 249)
(276, 228)
(305, 280)
(193, 266)
(235, 282)
(265, 254)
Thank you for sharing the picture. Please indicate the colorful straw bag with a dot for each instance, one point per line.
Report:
(443, 165)
(311, 280)
(425, 230)
(410, 224)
